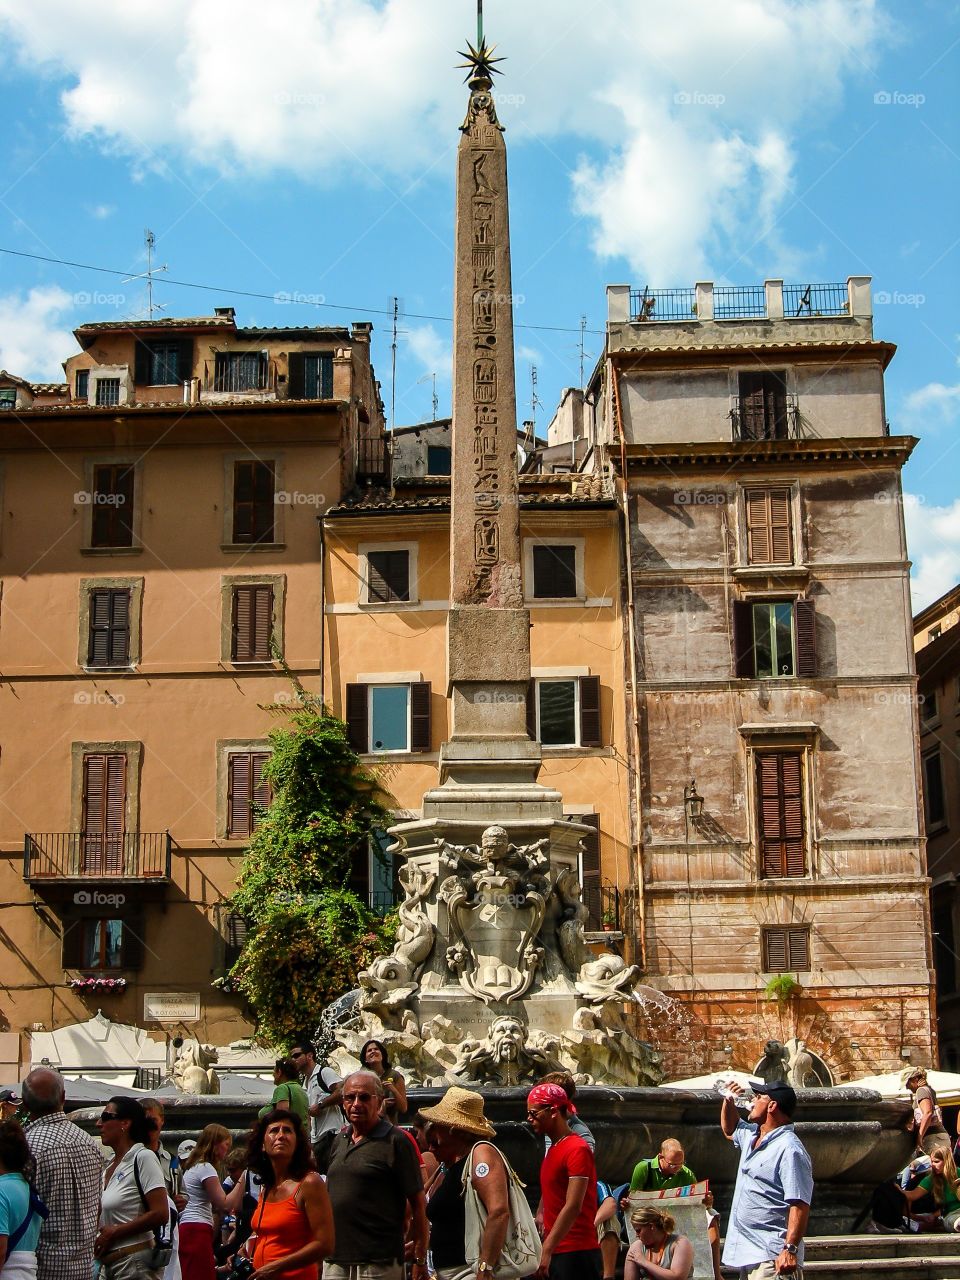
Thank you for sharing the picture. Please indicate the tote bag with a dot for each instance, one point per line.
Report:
(520, 1255)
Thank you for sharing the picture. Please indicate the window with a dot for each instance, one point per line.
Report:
(591, 888)
(944, 950)
(235, 930)
(310, 375)
(933, 799)
(82, 384)
(774, 639)
(565, 712)
(769, 536)
(762, 406)
(104, 813)
(246, 792)
(438, 460)
(8, 397)
(388, 576)
(109, 631)
(780, 814)
(162, 364)
(254, 486)
(112, 506)
(929, 709)
(786, 949)
(108, 391)
(240, 371)
(554, 572)
(252, 623)
(103, 944)
(373, 873)
(389, 717)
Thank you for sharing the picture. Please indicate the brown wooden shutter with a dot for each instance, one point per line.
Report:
(781, 536)
(295, 375)
(388, 576)
(141, 362)
(185, 359)
(780, 813)
(531, 710)
(108, 644)
(590, 731)
(71, 943)
(743, 658)
(763, 405)
(775, 950)
(759, 546)
(261, 793)
(590, 880)
(119, 628)
(132, 943)
(420, 716)
(798, 948)
(805, 630)
(104, 813)
(252, 623)
(769, 536)
(239, 765)
(253, 501)
(358, 717)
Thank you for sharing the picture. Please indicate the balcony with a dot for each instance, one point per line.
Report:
(772, 301)
(69, 858)
(778, 420)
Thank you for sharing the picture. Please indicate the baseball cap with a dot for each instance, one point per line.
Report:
(784, 1095)
(185, 1149)
(9, 1095)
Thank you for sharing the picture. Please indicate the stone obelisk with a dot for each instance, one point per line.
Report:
(488, 637)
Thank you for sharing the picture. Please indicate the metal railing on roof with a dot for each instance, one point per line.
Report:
(815, 300)
(663, 304)
(739, 302)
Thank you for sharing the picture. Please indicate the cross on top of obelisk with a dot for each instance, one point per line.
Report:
(480, 60)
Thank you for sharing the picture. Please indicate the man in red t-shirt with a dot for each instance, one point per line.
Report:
(568, 1188)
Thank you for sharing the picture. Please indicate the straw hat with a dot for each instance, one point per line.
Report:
(461, 1109)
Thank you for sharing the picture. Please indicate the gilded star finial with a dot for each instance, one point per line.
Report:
(480, 61)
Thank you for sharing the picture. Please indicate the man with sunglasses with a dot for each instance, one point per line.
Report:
(568, 1186)
(373, 1176)
(323, 1087)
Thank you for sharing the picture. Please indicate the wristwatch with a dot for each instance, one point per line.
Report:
(791, 1248)
(484, 1269)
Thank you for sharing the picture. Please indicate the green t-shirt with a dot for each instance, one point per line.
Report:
(951, 1201)
(296, 1096)
(648, 1176)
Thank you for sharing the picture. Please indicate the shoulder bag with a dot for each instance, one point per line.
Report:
(163, 1235)
(520, 1254)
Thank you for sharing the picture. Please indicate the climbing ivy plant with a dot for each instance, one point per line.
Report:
(308, 935)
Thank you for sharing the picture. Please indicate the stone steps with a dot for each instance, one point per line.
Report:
(893, 1257)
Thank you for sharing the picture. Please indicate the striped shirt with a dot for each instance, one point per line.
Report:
(69, 1169)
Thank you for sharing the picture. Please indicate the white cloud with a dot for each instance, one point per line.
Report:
(687, 112)
(101, 211)
(434, 353)
(33, 337)
(933, 544)
(931, 406)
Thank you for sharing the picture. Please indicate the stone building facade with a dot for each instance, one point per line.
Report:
(937, 637)
(159, 548)
(770, 676)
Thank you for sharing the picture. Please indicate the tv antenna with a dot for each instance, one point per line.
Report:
(428, 377)
(535, 402)
(396, 311)
(150, 241)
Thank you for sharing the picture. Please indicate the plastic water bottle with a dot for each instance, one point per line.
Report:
(744, 1100)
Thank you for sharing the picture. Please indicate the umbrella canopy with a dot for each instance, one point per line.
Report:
(708, 1081)
(945, 1084)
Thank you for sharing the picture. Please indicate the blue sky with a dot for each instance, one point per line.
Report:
(307, 148)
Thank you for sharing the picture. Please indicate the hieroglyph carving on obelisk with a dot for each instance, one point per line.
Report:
(485, 538)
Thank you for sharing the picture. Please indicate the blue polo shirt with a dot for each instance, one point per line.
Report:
(771, 1176)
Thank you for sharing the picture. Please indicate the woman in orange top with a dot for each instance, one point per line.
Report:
(292, 1223)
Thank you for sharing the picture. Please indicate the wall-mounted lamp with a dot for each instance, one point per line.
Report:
(692, 801)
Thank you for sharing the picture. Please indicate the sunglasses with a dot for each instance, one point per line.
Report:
(108, 1115)
(532, 1115)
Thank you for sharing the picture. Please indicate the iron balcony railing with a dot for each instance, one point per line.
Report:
(373, 460)
(250, 372)
(79, 855)
(663, 304)
(815, 300)
(779, 421)
(739, 302)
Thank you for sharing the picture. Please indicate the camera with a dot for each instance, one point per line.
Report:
(242, 1269)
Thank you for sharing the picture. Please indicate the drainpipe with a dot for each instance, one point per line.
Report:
(323, 611)
(636, 809)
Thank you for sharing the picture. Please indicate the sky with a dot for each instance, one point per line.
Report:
(303, 152)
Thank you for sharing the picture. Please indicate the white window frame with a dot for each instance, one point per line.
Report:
(574, 680)
(388, 684)
(104, 372)
(389, 606)
(528, 574)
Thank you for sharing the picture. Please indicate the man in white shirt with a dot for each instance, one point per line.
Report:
(323, 1087)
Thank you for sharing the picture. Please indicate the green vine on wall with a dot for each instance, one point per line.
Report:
(308, 934)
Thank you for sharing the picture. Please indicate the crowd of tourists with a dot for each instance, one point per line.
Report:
(331, 1182)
